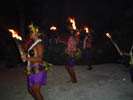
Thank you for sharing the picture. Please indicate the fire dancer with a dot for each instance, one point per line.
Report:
(87, 45)
(35, 69)
(71, 51)
(130, 54)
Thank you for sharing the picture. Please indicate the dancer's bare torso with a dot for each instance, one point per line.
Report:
(37, 54)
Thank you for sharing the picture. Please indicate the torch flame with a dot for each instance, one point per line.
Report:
(108, 35)
(86, 29)
(72, 20)
(15, 34)
(53, 28)
(78, 33)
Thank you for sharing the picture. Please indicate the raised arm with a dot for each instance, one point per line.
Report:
(125, 53)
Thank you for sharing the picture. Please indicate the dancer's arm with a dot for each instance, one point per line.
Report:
(61, 41)
(125, 53)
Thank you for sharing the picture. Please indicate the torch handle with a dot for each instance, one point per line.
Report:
(20, 50)
(116, 46)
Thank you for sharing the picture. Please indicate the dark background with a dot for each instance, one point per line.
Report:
(113, 16)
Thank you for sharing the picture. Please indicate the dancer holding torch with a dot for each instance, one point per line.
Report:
(35, 70)
(71, 50)
(130, 54)
(87, 45)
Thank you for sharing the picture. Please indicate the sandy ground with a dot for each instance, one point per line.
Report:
(104, 82)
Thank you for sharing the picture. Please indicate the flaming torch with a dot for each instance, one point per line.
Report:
(116, 46)
(72, 21)
(86, 29)
(17, 37)
(53, 28)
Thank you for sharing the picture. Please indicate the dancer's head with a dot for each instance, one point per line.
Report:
(34, 31)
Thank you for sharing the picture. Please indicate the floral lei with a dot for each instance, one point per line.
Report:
(45, 66)
(76, 54)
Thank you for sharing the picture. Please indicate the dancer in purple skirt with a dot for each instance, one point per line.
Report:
(36, 73)
(71, 51)
(87, 45)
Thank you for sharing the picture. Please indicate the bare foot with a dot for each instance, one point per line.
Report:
(69, 81)
(89, 68)
(75, 81)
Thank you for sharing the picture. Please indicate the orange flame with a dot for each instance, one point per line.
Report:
(108, 35)
(86, 29)
(78, 33)
(72, 20)
(15, 34)
(53, 28)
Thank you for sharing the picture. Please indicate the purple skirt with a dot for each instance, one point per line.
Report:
(39, 78)
(87, 54)
(71, 62)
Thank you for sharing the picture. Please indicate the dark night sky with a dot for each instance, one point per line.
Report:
(101, 15)
(98, 13)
